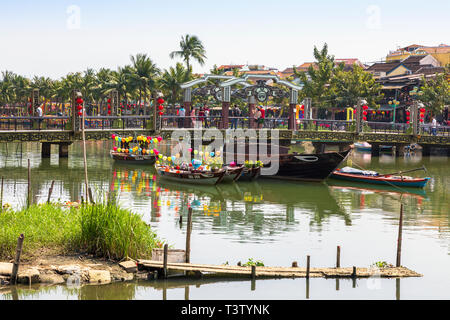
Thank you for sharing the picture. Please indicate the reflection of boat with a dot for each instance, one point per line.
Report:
(132, 158)
(250, 174)
(361, 186)
(356, 175)
(384, 148)
(362, 146)
(193, 176)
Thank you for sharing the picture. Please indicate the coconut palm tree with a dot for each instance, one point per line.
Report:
(171, 80)
(143, 75)
(190, 48)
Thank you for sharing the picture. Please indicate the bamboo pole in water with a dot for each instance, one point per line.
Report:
(86, 182)
(29, 185)
(399, 239)
(50, 191)
(338, 257)
(1, 197)
(188, 236)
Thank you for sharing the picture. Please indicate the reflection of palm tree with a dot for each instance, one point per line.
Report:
(190, 48)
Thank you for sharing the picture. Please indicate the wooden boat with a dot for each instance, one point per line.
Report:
(250, 174)
(132, 158)
(232, 174)
(192, 176)
(362, 146)
(356, 175)
(294, 166)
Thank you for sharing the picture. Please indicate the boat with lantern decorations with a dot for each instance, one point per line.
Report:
(190, 175)
(135, 150)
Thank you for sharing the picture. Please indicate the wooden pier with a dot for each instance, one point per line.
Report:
(200, 270)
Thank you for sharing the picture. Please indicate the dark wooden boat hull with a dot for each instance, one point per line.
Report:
(208, 178)
(131, 158)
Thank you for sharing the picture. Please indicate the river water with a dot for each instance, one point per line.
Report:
(276, 222)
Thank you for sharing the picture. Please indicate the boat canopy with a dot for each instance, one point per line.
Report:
(357, 171)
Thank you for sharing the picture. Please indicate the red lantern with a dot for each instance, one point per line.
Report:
(407, 118)
(109, 111)
(365, 107)
(160, 101)
(79, 101)
(79, 107)
(160, 107)
(109, 100)
(421, 120)
(422, 115)
(80, 113)
(354, 110)
(365, 113)
(408, 113)
(422, 109)
(365, 118)
(407, 122)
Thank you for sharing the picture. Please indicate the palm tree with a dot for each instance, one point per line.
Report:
(190, 47)
(144, 74)
(171, 80)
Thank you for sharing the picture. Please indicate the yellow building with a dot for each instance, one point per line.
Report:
(441, 53)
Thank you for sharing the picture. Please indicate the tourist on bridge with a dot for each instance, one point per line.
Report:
(207, 113)
(40, 114)
(181, 115)
(193, 119)
(235, 113)
(434, 126)
(201, 116)
(257, 117)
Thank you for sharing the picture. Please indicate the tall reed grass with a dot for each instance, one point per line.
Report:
(102, 229)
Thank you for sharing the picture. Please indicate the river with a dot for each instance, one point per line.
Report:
(276, 222)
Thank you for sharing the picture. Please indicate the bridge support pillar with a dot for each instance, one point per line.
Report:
(46, 150)
(375, 151)
(64, 150)
(426, 151)
(319, 147)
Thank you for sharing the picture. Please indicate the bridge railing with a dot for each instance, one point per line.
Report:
(427, 129)
(34, 123)
(174, 122)
(64, 123)
(324, 125)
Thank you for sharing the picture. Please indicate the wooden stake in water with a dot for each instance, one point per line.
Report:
(50, 191)
(188, 236)
(86, 182)
(16, 264)
(166, 249)
(1, 197)
(399, 239)
(29, 185)
(308, 264)
(338, 257)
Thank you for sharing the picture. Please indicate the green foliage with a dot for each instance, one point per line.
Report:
(381, 264)
(436, 92)
(190, 48)
(250, 262)
(102, 229)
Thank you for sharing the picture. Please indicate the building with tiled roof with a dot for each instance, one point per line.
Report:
(441, 53)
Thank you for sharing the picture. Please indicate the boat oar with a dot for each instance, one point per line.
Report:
(401, 172)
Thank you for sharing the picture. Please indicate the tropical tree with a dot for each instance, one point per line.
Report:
(171, 80)
(143, 75)
(347, 86)
(190, 48)
(316, 80)
(436, 92)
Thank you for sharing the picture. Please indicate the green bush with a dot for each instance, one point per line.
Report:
(101, 229)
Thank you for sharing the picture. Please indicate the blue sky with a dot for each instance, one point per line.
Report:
(45, 38)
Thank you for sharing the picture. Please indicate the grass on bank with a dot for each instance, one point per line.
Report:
(102, 229)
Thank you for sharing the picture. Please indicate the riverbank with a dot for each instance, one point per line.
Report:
(84, 241)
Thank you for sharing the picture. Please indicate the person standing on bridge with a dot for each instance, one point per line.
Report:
(181, 115)
(434, 126)
(40, 114)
